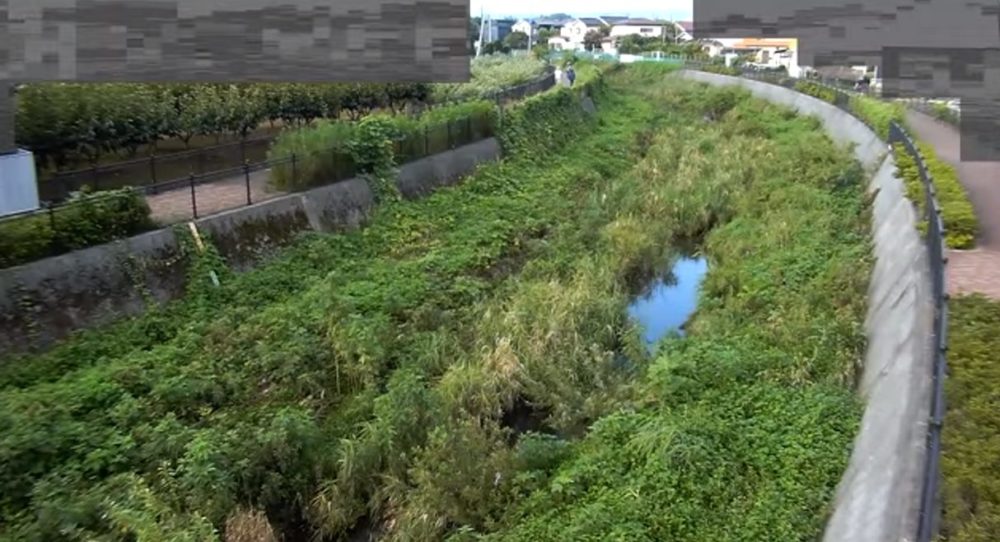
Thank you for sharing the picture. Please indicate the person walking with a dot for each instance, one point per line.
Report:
(570, 74)
(558, 75)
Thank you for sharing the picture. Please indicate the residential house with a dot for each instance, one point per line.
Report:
(612, 20)
(549, 24)
(648, 28)
(766, 52)
(575, 30)
(525, 25)
(685, 30)
(497, 29)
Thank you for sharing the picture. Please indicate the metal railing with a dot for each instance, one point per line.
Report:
(221, 161)
(199, 194)
(937, 255)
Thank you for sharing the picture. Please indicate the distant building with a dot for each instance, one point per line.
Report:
(575, 30)
(649, 28)
(497, 29)
(549, 24)
(612, 20)
(525, 25)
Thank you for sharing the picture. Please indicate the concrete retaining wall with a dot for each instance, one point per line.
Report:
(43, 301)
(878, 498)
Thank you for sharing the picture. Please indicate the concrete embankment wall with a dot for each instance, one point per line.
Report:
(43, 301)
(878, 498)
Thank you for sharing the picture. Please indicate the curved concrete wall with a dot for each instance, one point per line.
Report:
(878, 498)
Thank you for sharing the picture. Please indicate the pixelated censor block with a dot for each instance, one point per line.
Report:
(234, 40)
(923, 48)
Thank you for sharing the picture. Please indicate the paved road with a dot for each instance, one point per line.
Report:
(978, 270)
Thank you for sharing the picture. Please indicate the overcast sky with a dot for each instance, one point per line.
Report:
(672, 9)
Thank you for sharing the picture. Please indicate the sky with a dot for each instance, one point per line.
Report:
(669, 9)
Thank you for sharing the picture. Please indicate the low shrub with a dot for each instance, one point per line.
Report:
(942, 112)
(971, 438)
(957, 213)
(816, 90)
(878, 114)
(721, 68)
(85, 220)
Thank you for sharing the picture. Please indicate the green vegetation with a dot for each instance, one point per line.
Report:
(742, 430)
(86, 220)
(957, 213)
(960, 223)
(371, 377)
(490, 75)
(816, 90)
(971, 438)
(65, 123)
(69, 124)
(941, 111)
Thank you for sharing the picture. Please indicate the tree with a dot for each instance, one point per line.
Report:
(592, 40)
(546, 33)
(495, 47)
(516, 40)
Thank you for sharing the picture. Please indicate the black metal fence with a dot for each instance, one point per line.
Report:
(929, 501)
(250, 176)
(168, 171)
(937, 254)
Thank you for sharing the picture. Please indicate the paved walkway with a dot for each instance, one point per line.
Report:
(229, 193)
(978, 270)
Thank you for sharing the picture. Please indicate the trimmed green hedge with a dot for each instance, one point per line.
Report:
(971, 436)
(816, 90)
(957, 213)
(960, 224)
(84, 221)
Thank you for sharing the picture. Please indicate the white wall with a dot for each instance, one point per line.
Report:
(652, 31)
(18, 186)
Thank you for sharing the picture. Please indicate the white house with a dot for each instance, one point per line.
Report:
(524, 25)
(648, 28)
(575, 30)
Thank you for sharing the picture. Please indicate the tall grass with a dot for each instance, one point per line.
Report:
(369, 377)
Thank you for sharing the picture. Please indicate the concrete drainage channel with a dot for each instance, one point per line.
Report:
(878, 498)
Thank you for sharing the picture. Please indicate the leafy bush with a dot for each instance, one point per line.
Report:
(970, 439)
(61, 122)
(878, 114)
(816, 90)
(85, 220)
(490, 74)
(721, 68)
(957, 213)
(941, 111)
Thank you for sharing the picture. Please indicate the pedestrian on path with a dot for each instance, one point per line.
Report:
(570, 74)
(558, 75)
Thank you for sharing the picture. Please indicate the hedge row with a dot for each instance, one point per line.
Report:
(63, 123)
(86, 220)
(971, 437)
(816, 90)
(959, 218)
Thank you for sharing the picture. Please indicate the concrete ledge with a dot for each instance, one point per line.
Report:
(43, 301)
(878, 497)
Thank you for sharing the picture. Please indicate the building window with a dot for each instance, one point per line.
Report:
(645, 30)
